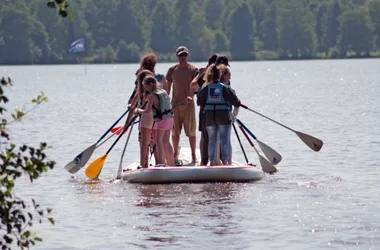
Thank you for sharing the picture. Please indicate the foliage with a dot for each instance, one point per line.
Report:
(356, 31)
(293, 28)
(16, 215)
(62, 7)
(267, 55)
(242, 32)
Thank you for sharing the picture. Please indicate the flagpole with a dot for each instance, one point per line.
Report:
(85, 61)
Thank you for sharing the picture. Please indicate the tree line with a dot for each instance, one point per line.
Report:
(122, 30)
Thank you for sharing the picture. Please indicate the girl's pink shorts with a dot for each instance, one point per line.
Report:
(164, 124)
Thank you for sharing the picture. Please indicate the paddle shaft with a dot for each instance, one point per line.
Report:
(113, 125)
(243, 106)
(241, 145)
(246, 136)
(118, 138)
(120, 170)
(246, 129)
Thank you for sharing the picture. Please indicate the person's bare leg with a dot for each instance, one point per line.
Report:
(155, 152)
(160, 147)
(145, 140)
(193, 144)
(169, 153)
(175, 139)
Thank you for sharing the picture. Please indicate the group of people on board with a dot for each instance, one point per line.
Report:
(162, 115)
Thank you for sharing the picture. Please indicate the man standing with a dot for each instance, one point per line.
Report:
(180, 76)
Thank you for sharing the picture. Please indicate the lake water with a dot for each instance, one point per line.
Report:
(324, 200)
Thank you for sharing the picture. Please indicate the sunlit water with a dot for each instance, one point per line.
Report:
(324, 200)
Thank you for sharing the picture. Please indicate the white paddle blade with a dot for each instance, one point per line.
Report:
(81, 160)
(266, 166)
(270, 153)
(312, 142)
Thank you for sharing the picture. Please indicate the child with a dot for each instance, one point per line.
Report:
(146, 119)
(216, 98)
(159, 103)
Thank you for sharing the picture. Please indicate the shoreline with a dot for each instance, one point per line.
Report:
(197, 61)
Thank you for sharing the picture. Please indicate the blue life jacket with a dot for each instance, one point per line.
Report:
(215, 99)
(159, 79)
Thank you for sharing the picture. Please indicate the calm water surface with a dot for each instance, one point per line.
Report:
(324, 200)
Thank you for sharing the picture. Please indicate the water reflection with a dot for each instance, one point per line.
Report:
(207, 208)
(203, 194)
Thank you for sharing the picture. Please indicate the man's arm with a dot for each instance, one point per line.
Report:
(169, 80)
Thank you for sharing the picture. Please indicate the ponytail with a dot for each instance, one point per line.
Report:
(212, 74)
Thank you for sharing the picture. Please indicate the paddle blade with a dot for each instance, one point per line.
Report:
(266, 166)
(115, 129)
(93, 170)
(118, 130)
(270, 153)
(312, 142)
(81, 160)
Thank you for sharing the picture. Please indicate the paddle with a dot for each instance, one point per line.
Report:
(266, 166)
(269, 152)
(120, 170)
(81, 159)
(241, 145)
(312, 142)
(116, 130)
(94, 169)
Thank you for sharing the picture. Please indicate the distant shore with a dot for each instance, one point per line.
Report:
(80, 62)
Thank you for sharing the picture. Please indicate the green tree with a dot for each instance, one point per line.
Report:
(17, 216)
(130, 23)
(127, 53)
(163, 28)
(106, 54)
(242, 32)
(332, 26)
(356, 31)
(15, 27)
(296, 30)
(374, 13)
(204, 44)
(183, 27)
(214, 12)
(222, 44)
(269, 28)
(259, 8)
(321, 25)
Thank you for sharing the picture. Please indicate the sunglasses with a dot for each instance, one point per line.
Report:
(183, 55)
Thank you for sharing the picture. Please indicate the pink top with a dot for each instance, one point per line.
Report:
(146, 119)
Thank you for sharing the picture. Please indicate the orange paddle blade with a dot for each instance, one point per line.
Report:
(93, 170)
(118, 130)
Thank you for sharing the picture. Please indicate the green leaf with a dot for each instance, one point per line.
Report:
(51, 220)
(51, 5)
(71, 17)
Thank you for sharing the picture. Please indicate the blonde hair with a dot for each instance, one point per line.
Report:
(224, 70)
(150, 79)
(140, 78)
(212, 74)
